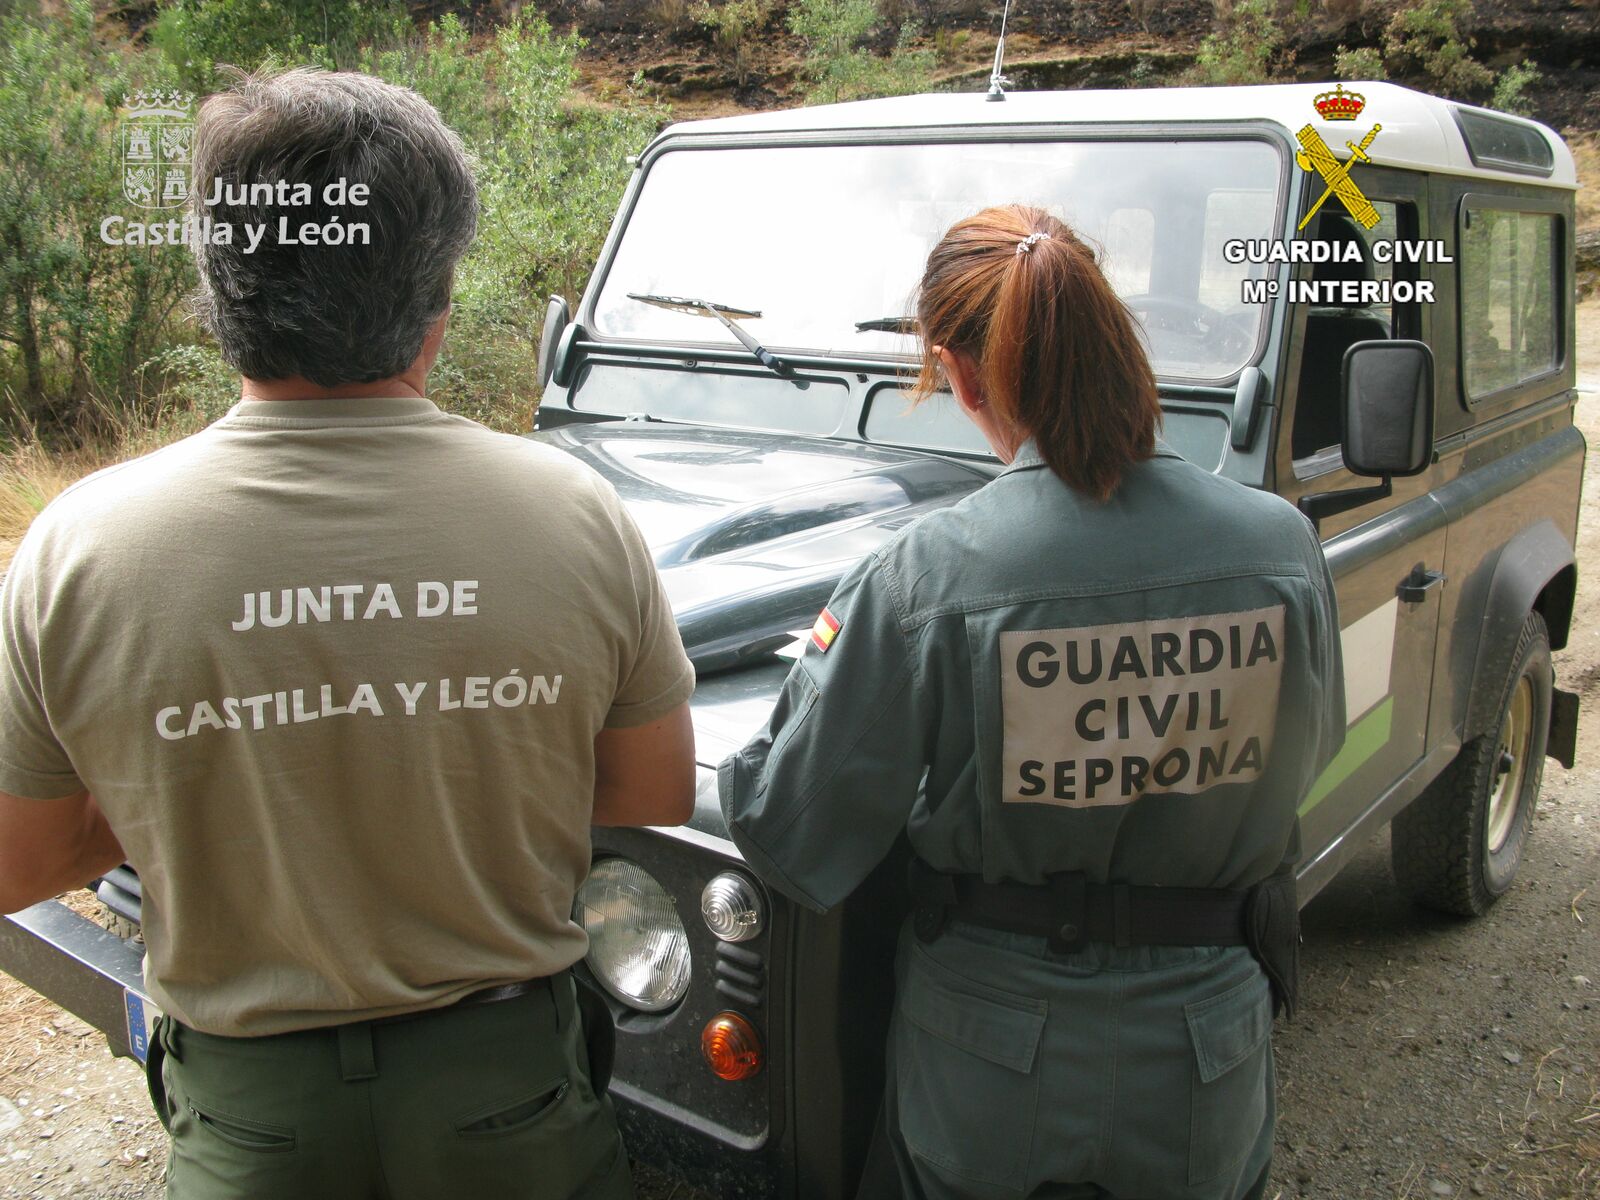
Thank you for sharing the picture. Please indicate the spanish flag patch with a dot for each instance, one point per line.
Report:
(824, 631)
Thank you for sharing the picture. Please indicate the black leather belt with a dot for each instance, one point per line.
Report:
(488, 995)
(1070, 912)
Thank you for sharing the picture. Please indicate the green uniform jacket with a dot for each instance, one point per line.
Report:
(1032, 682)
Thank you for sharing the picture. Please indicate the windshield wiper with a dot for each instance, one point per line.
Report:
(724, 313)
(906, 325)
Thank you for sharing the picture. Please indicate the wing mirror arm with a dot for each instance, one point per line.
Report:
(1329, 504)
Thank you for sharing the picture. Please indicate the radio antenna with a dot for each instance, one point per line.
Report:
(997, 81)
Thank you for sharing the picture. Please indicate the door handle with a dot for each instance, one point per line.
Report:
(1415, 587)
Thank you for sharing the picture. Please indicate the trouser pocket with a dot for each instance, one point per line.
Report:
(1229, 1101)
(221, 1151)
(522, 1119)
(500, 1119)
(242, 1133)
(966, 1076)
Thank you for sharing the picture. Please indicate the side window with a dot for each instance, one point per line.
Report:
(1510, 321)
(1386, 230)
(1330, 331)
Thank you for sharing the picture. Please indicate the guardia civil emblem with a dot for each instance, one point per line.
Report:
(1314, 155)
(156, 135)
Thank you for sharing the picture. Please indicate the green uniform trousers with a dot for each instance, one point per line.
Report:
(1143, 1073)
(486, 1100)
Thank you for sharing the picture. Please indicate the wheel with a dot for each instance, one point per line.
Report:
(1457, 847)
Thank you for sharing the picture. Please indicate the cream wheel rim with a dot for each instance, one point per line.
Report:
(1512, 749)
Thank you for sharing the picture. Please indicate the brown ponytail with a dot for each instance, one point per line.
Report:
(1057, 352)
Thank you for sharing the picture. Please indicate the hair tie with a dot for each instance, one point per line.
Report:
(1027, 243)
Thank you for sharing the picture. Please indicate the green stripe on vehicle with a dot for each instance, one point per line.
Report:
(1361, 742)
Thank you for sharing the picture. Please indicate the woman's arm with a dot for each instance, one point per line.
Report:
(816, 800)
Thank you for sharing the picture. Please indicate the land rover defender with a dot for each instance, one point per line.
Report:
(1357, 296)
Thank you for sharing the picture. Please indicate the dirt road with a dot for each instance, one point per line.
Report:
(1431, 1057)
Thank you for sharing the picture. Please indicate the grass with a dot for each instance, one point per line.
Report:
(34, 472)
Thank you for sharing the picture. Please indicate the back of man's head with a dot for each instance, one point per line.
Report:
(345, 305)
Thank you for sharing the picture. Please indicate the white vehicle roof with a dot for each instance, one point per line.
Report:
(1419, 131)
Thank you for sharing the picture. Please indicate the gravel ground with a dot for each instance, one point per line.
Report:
(1431, 1057)
(1439, 1058)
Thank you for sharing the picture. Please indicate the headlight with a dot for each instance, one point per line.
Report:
(732, 907)
(637, 946)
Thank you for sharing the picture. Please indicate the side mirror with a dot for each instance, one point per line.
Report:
(1386, 410)
(1386, 406)
(556, 317)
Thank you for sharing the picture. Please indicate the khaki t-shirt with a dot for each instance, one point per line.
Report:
(333, 670)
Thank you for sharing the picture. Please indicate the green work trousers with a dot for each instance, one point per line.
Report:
(1143, 1073)
(480, 1100)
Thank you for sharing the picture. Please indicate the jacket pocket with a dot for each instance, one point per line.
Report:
(501, 1119)
(1231, 1033)
(242, 1133)
(967, 1078)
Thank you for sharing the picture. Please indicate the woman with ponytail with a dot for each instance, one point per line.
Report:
(1092, 696)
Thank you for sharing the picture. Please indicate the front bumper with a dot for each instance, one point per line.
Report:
(797, 1130)
(87, 970)
(98, 977)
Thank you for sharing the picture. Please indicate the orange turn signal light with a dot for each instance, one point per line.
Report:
(732, 1046)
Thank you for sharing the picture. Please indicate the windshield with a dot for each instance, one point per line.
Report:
(817, 239)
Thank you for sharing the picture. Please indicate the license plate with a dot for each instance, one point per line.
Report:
(142, 1016)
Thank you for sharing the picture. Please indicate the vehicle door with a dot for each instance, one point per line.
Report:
(1387, 555)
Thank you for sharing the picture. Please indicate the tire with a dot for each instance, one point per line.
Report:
(125, 929)
(1457, 847)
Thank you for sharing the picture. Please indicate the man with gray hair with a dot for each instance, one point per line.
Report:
(346, 680)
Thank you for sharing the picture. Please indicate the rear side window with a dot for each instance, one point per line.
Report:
(1504, 144)
(1510, 321)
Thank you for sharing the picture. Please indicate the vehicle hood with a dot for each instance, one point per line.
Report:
(752, 531)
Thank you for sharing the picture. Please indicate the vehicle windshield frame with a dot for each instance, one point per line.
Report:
(1261, 130)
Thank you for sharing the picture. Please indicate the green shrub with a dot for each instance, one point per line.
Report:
(77, 315)
(733, 25)
(1364, 62)
(1426, 34)
(550, 173)
(190, 379)
(840, 68)
(949, 45)
(198, 35)
(91, 335)
(832, 28)
(1510, 85)
(1242, 45)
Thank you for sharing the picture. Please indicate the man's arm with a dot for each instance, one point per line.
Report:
(644, 774)
(50, 846)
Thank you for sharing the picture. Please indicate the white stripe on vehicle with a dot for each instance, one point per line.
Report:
(1368, 656)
